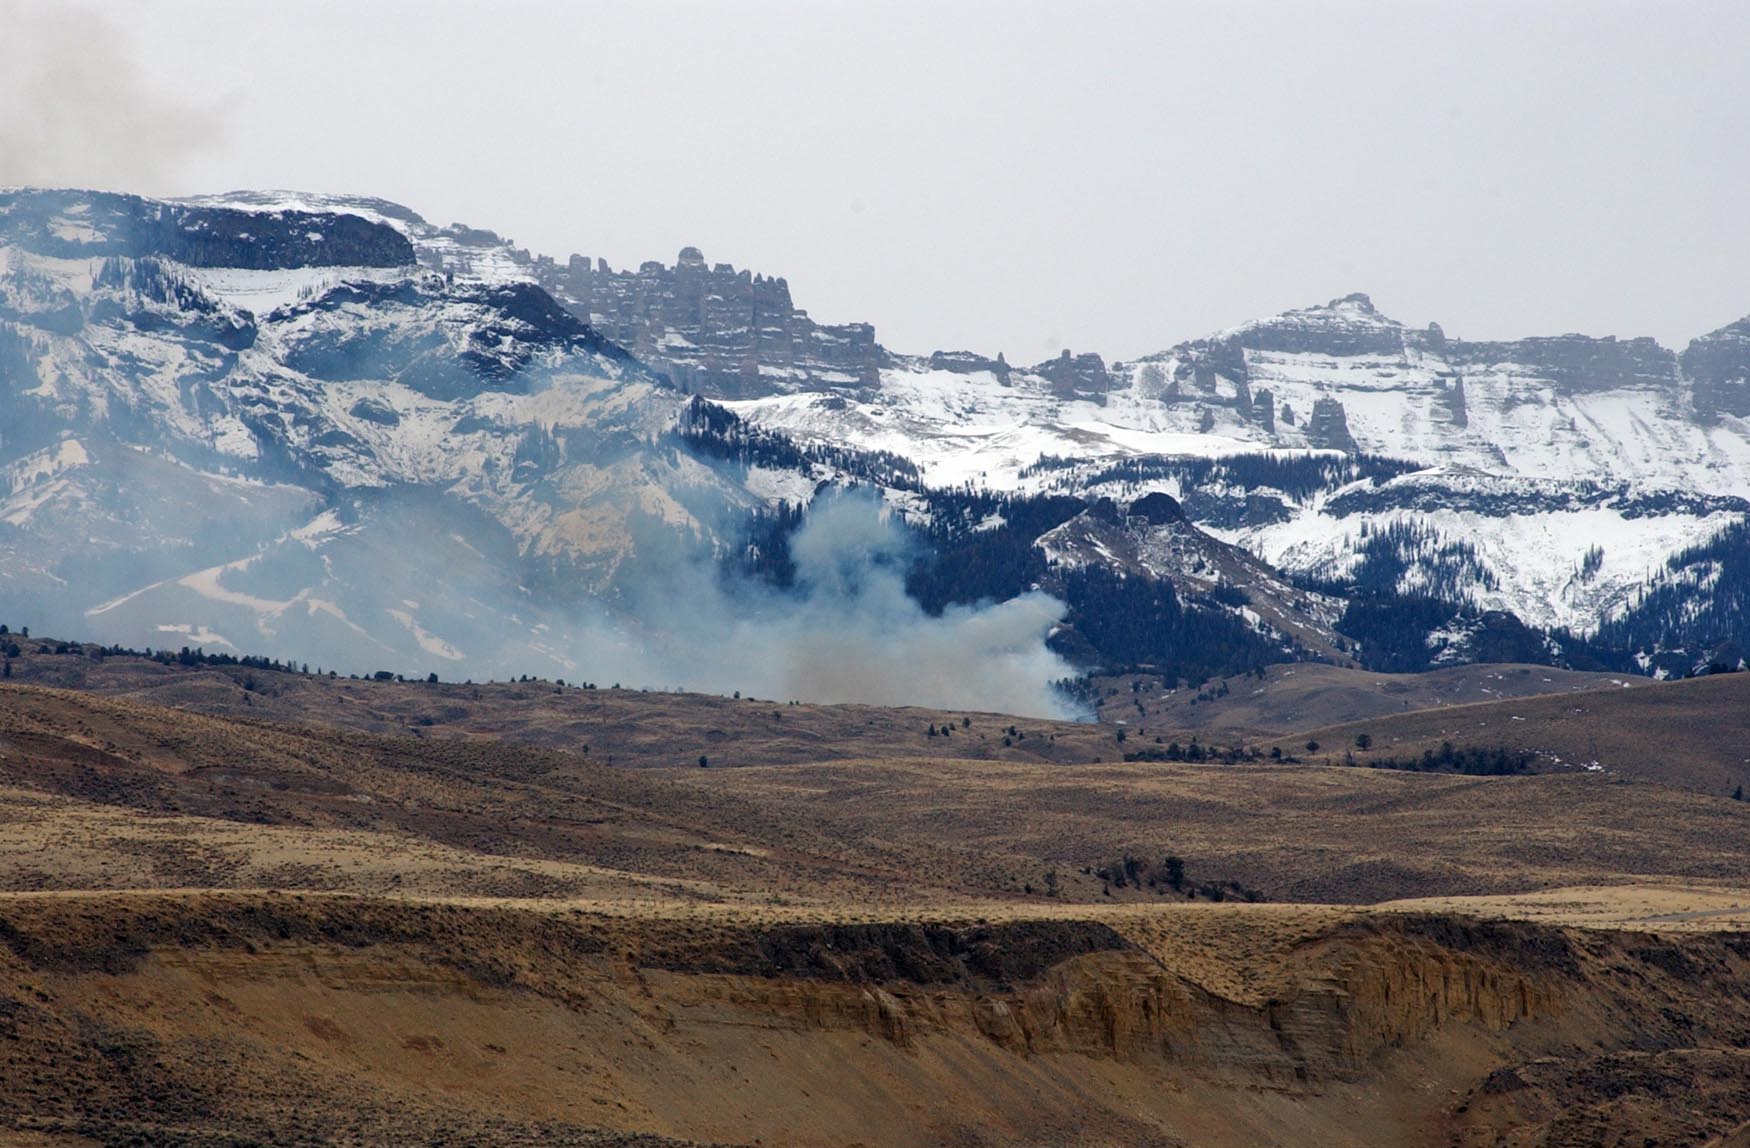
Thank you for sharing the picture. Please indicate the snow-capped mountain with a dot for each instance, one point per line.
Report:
(222, 419)
(1535, 453)
(1574, 466)
(217, 421)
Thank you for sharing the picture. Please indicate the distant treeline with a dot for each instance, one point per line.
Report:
(188, 657)
(1699, 602)
(182, 657)
(717, 432)
(1196, 754)
(1472, 761)
(1299, 476)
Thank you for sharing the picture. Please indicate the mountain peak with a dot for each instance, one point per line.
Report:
(1355, 307)
(1347, 325)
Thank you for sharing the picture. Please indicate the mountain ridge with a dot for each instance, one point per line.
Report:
(448, 372)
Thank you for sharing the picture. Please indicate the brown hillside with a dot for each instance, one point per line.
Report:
(902, 829)
(226, 930)
(612, 726)
(1312, 695)
(1694, 734)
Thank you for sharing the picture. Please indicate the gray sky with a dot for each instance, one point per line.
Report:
(1006, 176)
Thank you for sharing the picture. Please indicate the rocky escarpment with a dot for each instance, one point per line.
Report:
(1218, 373)
(88, 225)
(1577, 364)
(1347, 326)
(1718, 365)
(127, 1020)
(970, 363)
(713, 329)
(1235, 370)
(1368, 987)
(1081, 376)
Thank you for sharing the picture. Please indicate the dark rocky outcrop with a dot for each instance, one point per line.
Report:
(1158, 509)
(1451, 401)
(969, 363)
(372, 411)
(1578, 364)
(1718, 367)
(1328, 426)
(715, 330)
(1264, 409)
(1077, 376)
(85, 224)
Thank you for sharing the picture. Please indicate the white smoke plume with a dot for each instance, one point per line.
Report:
(848, 632)
(76, 108)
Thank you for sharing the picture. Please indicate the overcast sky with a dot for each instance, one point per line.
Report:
(1006, 176)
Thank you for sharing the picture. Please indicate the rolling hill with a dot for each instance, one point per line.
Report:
(219, 929)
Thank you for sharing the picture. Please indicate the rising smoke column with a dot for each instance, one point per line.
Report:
(847, 632)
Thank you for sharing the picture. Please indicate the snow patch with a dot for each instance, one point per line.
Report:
(429, 642)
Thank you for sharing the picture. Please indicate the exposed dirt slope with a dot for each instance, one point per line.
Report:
(208, 1019)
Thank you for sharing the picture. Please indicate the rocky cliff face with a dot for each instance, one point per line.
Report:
(87, 225)
(1718, 366)
(1249, 376)
(1578, 364)
(1347, 326)
(1076, 376)
(715, 330)
(711, 329)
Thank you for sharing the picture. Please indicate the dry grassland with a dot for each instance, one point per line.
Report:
(242, 927)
